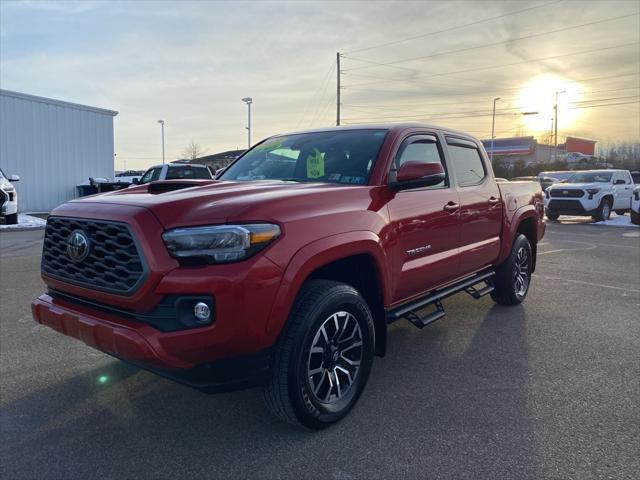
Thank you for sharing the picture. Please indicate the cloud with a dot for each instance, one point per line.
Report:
(190, 63)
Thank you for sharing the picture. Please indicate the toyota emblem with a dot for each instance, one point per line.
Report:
(77, 246)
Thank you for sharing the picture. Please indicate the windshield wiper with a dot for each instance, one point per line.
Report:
(290, 180)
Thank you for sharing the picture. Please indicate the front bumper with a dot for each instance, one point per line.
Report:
(571, 207)
(138, 344)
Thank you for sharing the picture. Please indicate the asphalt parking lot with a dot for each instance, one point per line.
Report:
(549, 389)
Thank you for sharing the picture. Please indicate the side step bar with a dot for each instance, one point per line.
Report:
(410, 309)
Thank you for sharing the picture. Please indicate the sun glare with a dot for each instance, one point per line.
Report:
(539, 96)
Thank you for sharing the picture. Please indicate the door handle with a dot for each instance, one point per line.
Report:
(493, 201)
(451, 207)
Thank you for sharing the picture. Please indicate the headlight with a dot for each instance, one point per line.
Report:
(592, 191)
(220, 243)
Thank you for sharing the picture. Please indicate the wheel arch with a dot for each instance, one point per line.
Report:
(525, 221)
(354, 258)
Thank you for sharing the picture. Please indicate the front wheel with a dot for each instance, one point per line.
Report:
(620, 212)
(604, 211)
(11, 219)
(635, 218)
(513, 277)
(552, 216)
(323, 358)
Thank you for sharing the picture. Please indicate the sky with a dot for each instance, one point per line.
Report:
(191, 63)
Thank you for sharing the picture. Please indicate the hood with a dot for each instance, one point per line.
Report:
(213, 202)
(579, 186)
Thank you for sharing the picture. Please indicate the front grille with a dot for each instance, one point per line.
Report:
(3, 197)
(113, 264)
(570, 206)
(566, 193)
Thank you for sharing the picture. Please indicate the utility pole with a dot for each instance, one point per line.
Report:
(555, 134)
(338, 89)
(161, 122)
(493, 127)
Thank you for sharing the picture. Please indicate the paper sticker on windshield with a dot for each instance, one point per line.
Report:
(315, 164)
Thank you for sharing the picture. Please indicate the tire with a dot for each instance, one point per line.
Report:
(328, 321)
(513, 277)
(552, 215)
(11, 219)
(620, 212)
(635, 218)
(604, 211)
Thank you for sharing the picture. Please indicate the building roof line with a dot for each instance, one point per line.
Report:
(61, 103)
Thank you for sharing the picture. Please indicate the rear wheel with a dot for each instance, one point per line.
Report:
(620, 212)
(11, 219)
(604, 211)
(323, 358)
(513, 276)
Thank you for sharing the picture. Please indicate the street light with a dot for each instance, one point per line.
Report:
(248, 101)
(493, 126)
(161, 122)
(555, 109)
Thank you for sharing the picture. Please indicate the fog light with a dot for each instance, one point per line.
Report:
(202, 312)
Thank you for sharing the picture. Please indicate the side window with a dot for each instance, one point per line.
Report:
(420, 148)
(627, 177)
(151, 175)
(467, 163)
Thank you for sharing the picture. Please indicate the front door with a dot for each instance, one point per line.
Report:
(622, 190)
(424, 226)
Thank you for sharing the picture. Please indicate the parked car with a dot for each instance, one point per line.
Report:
(544, 182)
(8, 198)
(635, 175)
(171, 171)
(287, 270)
(560, 175)
(129, 176)
(592, 193)
(635, 206)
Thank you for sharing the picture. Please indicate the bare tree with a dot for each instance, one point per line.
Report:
(193, 151)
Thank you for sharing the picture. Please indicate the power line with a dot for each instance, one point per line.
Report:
(450, 29)
(322, 87)
(524, 37)
(487, 113)
(491, 67)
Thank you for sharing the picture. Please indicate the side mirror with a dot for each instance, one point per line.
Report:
(14, 178)
(135, 181)
(418, 174)
(620, 181)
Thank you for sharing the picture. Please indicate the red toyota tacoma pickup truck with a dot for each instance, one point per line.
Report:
(286, 270)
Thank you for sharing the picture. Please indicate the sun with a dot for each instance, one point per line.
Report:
(539, 95)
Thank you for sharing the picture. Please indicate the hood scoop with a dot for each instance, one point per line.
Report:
(164, 186)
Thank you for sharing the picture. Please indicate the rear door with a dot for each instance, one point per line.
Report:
(481, 208)
(424, 225)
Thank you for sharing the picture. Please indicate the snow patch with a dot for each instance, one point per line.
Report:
(614, 221)
(25, 222)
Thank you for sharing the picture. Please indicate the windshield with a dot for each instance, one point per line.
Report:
(590, 177)
(345, 157)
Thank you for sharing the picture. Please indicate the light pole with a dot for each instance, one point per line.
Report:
(555, 135)
(493, 127)
(248, 101)
(161, 122)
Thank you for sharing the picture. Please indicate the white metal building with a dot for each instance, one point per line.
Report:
(53, 146)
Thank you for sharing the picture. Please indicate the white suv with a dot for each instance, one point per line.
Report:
(635, 206)
(593, 193)
(8, 198)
